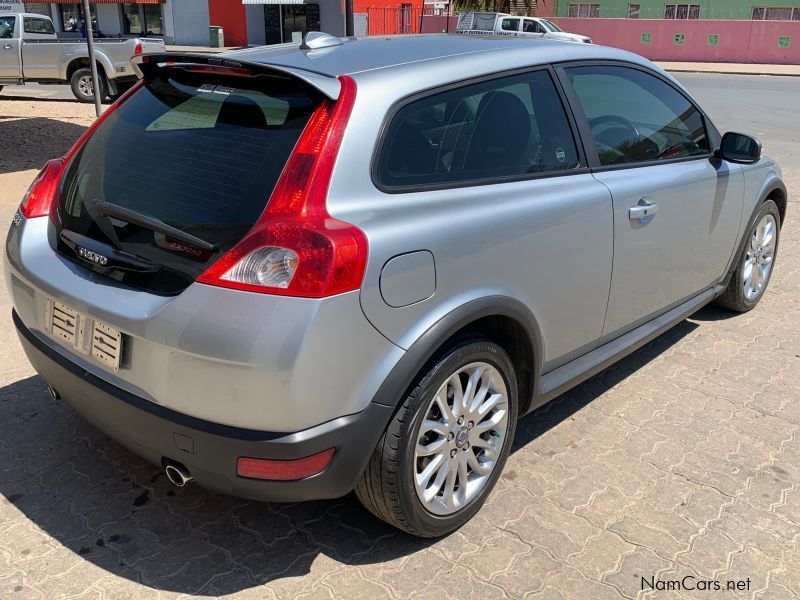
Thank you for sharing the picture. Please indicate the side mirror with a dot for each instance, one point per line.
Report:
(739, 148)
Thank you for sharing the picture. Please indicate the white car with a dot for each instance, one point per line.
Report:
(490, 23)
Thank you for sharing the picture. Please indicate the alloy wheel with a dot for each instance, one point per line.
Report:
(759, 258)
(461, 438)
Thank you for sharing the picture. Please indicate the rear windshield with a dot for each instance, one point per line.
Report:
(199, 155)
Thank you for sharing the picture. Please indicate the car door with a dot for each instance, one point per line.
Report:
(531, 28)
(488, 193)
(677, 209)
(9, 48)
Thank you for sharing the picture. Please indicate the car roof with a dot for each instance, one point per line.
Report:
(358, 55)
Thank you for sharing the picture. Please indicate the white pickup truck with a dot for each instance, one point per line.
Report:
(31, 52)
(492, 23)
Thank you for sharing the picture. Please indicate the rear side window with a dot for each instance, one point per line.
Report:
(33, 25)
(509, 127)
(509, 25)
(197, 154)
(637, 117)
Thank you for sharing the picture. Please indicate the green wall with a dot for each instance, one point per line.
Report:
(654, 9)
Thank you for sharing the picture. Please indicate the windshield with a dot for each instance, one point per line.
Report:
(550, 25)
(186, 153)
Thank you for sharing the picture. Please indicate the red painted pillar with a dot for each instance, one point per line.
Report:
(231, 16)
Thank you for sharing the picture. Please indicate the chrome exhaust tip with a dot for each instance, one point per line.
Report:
(53, 393)
(177, 474)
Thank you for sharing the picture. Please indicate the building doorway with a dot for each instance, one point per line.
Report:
(289, 22)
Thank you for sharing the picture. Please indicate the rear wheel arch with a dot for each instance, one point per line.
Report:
(501, 319)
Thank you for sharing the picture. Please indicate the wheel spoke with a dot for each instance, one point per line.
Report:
(432, 467)
(450, 487)
(472, 384)
(433, 448)
(458, 395)
(444, 408)
(441, 475)
(435, 427)
(479, 467)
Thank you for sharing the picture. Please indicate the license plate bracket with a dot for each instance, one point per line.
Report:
(90, 337)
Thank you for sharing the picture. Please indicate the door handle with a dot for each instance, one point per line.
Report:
(8, 47)
(642, 211)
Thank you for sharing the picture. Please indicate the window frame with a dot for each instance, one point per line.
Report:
(574, 129)
(591, 6)
(689, 6)
(593, 159)
(794, 13)
(27, 19)
(633, 13)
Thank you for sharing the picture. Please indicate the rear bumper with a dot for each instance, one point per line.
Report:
(210, 450)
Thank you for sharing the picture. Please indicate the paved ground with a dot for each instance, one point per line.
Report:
(684, 459)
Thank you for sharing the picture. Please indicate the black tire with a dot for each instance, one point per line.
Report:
(76, 85)
(734, 298)
(387, 486)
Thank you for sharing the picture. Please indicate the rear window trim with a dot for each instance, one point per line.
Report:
(581, 168)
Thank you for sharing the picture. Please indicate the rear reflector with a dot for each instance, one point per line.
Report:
(284, 470)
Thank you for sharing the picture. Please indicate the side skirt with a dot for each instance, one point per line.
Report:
(567, 376)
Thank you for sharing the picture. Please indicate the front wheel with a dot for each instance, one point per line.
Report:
(754, 264)
(83, 86)
(444, 450)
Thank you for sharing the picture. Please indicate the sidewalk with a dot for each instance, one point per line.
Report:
(731, 68)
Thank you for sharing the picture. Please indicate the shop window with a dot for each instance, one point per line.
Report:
(153, 19)
(72, 18)
(633, 11)
(131, 19)
(584, 11)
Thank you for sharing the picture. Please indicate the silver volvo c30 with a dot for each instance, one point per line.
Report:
(291, 273)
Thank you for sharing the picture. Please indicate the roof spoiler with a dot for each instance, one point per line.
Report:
(147, 65)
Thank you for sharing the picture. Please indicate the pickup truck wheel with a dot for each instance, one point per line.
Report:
(444, 450)
(82, 88)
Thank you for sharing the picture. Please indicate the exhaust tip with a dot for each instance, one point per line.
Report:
(177, 474)
(53, 393)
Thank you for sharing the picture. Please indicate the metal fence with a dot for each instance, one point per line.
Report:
(395, 20)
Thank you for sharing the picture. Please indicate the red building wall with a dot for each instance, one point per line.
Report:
(229, 14)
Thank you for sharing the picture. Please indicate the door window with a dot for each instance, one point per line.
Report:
(7, 27)
(637, 117)
(531, 26)
(509, 127)
(509, 25)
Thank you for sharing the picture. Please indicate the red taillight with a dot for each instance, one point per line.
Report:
(137, 49)
(296, 248)
(40, 195)
(284, 470)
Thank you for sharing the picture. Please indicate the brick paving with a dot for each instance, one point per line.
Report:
(682, 460)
